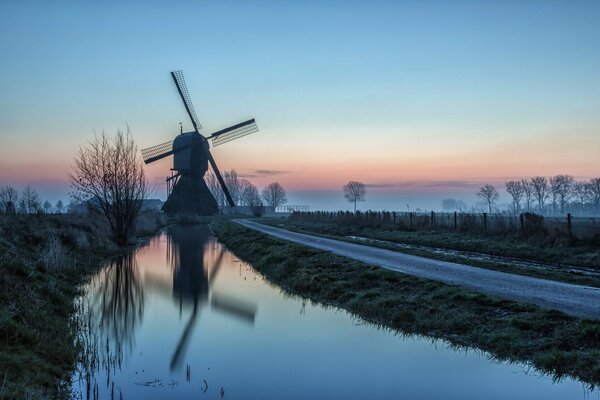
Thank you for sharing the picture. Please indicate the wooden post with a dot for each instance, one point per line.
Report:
(485, 221)
(522, 221)
(569, 225)
(394, 215)
(455, 220)
(432, 218)
(410, 216)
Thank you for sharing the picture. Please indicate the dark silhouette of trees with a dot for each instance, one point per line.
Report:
(561, 188)
(541, 190)
(233, 185)
(528, 193)
(248, 194)
(274, 195)
(9, 198)
(355, 191)
(593, 187)
(109, 178)
(515, 189)
(59, 206)
(47, 206)
(489, 195)
(30, 201)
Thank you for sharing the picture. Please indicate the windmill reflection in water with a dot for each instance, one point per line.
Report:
(196, 259)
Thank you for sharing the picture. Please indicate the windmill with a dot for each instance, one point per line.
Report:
(191, 156)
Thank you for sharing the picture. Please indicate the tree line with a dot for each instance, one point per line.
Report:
(27, 202)
(557, 194)
(245, 193)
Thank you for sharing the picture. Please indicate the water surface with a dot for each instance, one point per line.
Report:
(182, 317)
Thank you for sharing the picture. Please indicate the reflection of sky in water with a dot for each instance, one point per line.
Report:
(289, 350)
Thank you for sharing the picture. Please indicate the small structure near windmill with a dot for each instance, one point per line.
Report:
(188, 191)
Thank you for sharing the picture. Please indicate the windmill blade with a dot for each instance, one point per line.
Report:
(185, 96)
(159, 151)
(183, 341)
(220, 178)
(244, 310)
(234, 132)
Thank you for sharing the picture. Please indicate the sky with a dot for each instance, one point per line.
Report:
(419, 100)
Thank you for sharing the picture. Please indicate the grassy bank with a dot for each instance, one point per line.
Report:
(551, 341)
(43, 261)
(556, 259)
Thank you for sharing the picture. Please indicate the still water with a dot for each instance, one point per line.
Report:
(182, 317)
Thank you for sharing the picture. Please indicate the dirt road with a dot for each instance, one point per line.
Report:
(580, 301)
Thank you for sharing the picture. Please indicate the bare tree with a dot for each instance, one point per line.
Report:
(109, 177)
(561, 187)
(541, 190)
(528, 193)
(233, 185)
(489, 195)
(9, 198)
(355, 191)
(593, 187)
(47, 206)
(215, 187)
(515, 189)
(580, 193)
(248, 193)
(59, 206)
(274, 195)
(30, 201)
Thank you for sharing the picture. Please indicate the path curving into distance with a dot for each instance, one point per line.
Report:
(575, 300)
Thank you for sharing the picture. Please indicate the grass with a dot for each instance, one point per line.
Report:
(43, 261)
(558, 256)
(553, 342)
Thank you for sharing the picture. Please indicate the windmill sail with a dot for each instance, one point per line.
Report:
(159, 151)
(234, 132)
(185, 96)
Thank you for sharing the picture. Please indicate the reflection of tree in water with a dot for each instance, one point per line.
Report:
(118, 301)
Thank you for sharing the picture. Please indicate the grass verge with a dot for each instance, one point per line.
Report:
(508, 253)
(552, 342)
(43, 261)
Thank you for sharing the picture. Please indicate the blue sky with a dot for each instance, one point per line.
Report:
(390, 93)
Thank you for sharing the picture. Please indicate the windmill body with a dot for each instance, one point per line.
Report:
(191, 157)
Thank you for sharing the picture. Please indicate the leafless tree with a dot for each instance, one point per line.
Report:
(9, 198)
(248, 193)
(515, 189)
(541, 190)
(233, 185)
(274, 195)
(593, 187)
(47, 206)
(489, 195)
(355, 191)
(59, 206)
(30, 201)
(215, 188)
(108, 176)
(528, 193)
(561, 187)
(580, 193)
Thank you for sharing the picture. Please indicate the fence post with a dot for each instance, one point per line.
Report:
(432, 218)
(394, 214)
(485, 221)
(410, 217)
(455, 220)
(569, 225)
(521, 221)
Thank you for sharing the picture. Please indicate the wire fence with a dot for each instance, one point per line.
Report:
(580, 228)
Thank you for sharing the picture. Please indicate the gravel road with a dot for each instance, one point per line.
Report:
(576, 300)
